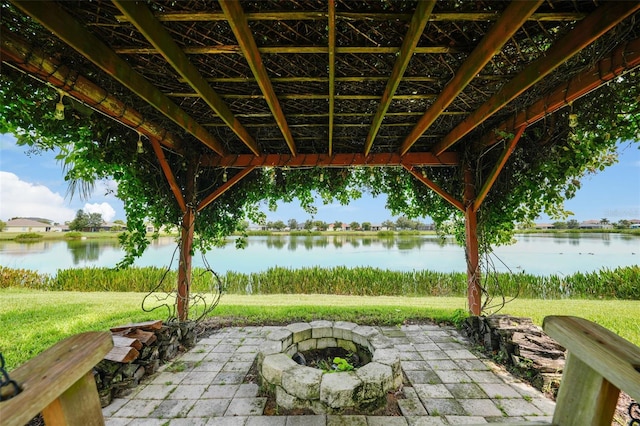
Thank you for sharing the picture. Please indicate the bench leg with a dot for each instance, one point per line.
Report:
(79, 405)
(585, 398)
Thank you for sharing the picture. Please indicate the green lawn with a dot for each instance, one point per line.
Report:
(33, 320)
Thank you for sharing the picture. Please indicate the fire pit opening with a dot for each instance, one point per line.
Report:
(334, 359)
(329, 366)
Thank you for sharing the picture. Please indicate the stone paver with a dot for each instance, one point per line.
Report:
(447, 383)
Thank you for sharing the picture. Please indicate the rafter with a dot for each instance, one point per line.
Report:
(279, 50)
(51, 16)
(240, 27)
(25, 57)
(140, 16)
(357, 16)
(622, 60)
(335, 160)
(510, 21)
(308, 96)
(224, 187)
(332, 68)
(411, 39)
(585, 32)
(433, 186)
(349, 79)
(502, 160)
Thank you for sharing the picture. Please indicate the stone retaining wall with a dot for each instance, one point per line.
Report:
(521, 345)
(115, 379)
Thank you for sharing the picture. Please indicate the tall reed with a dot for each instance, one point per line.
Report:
(619, 283)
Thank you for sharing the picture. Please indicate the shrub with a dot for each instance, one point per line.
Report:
(28, 236)
(73, 235)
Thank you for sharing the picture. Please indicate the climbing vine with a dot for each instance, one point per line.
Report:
(544, 170)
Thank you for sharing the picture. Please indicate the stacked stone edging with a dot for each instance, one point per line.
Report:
(520, 344)
(300, 387)
(115, 379)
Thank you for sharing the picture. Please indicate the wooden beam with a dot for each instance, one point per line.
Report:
(335, 160)
(347, 79)
(585, 32)
(510, 21)
(433, 186)
(472, 252)
(297, 50)
(357, 16)
(622, 59)
(502, 160)
(33, 61)
(140, 16)
(309, 96)
(411, 39)
(240, 27)
(65, 27)
(346, 114)
(168, 174)
(225, 187)
(332, 69)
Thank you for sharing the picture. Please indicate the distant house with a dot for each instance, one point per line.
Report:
(595, 224)
(544, 226)
(378, 227)
(27, 225)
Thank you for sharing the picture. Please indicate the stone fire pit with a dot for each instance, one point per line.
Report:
(297, 386)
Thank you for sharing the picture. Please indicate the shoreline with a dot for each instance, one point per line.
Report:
(11, 236)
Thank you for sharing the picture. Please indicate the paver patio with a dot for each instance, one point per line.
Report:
(448, 385)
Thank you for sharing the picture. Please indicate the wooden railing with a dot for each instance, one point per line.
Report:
(59, 384)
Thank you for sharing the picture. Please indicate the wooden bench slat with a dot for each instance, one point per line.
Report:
(44, 378)
(614, 358)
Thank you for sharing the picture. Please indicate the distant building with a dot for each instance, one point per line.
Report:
(27, 225)
(544, 226)
(595, 224)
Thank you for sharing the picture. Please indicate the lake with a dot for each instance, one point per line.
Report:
(539, 254)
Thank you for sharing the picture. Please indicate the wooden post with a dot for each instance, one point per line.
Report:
(186, 244)
(78, 405)
(585, 397)
(471, 248)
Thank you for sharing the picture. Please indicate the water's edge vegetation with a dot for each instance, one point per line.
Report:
(618, 283)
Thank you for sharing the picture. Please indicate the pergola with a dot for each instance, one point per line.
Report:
(327, 83)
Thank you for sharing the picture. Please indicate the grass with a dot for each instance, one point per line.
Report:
(33, 320)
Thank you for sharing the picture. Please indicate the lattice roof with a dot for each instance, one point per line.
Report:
(325, 77)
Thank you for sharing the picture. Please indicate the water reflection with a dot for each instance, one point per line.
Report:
(89, 250)
(540, 254)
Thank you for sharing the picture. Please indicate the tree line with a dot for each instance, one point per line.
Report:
(402, 223)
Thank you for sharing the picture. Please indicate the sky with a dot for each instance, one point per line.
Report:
(33, 185)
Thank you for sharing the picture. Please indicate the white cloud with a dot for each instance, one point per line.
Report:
(105, 209)
(20, 198)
